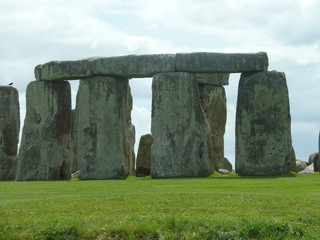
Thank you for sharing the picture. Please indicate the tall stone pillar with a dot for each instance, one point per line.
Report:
(181, 136)
(102, 126)
(130, 135)
(214, 104)
(74, 160)
(263, 125)
(44, 148)
(9, 131)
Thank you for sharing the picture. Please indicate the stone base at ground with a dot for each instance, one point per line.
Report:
(263, 125)
(181, 136)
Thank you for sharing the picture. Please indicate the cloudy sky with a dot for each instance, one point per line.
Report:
(37, 31)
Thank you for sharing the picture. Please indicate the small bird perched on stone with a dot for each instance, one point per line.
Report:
(10, 83)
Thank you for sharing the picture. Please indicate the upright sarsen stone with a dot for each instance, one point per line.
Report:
(102, 126)
(214, 104)
(263, 125)
(9, 131)
(181, 136)
(144, 156)
(44, 149)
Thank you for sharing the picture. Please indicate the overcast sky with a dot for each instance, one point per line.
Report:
(37, 31)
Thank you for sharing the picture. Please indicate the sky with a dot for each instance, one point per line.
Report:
(37, 31)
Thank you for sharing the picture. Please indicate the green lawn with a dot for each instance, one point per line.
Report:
(215, 207)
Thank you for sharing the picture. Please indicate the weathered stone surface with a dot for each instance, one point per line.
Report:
(214, 104)
(9, 131)
(300, 165)
(74, 160)
(44, 148)
(263, 125)
(217, 79)
(316, 163)
(308, 170)
(144, 155)
(130, 135)
(205, 62)
(224, 171)
(224, 164)
(64, 70)
(138, 66)
(181, 136)
(102, 125)
(312, 157)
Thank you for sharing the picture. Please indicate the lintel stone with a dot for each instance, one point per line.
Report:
(142, 66)
(221, 62)
(217, 79)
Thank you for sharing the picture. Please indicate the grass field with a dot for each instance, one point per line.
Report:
(215, 207)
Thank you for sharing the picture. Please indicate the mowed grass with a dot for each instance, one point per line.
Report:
(215, 207)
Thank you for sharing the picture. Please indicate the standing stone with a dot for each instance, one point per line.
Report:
(44, 149)
(74, 160)
(263, 125)
(214, 105)
(144, 155)
(181, 136)
(102, 127)
(130, 135)
(9, 131)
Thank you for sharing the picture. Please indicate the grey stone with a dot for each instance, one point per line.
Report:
(135, 66)
(224, 164)
(263, 125)
(181, 136)
(308, 170)
(130, 135)
(214, 104)
(316, 163)
(312, 157)
(218, 79)
(76, 175)
(224, 171)
(64, 70)
(300, 165)
(205, 62)
(144, 155)
(9, 131)
(102, 127)
(44, 148)
(74, 160)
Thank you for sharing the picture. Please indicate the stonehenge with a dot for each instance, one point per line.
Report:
(189, 111)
